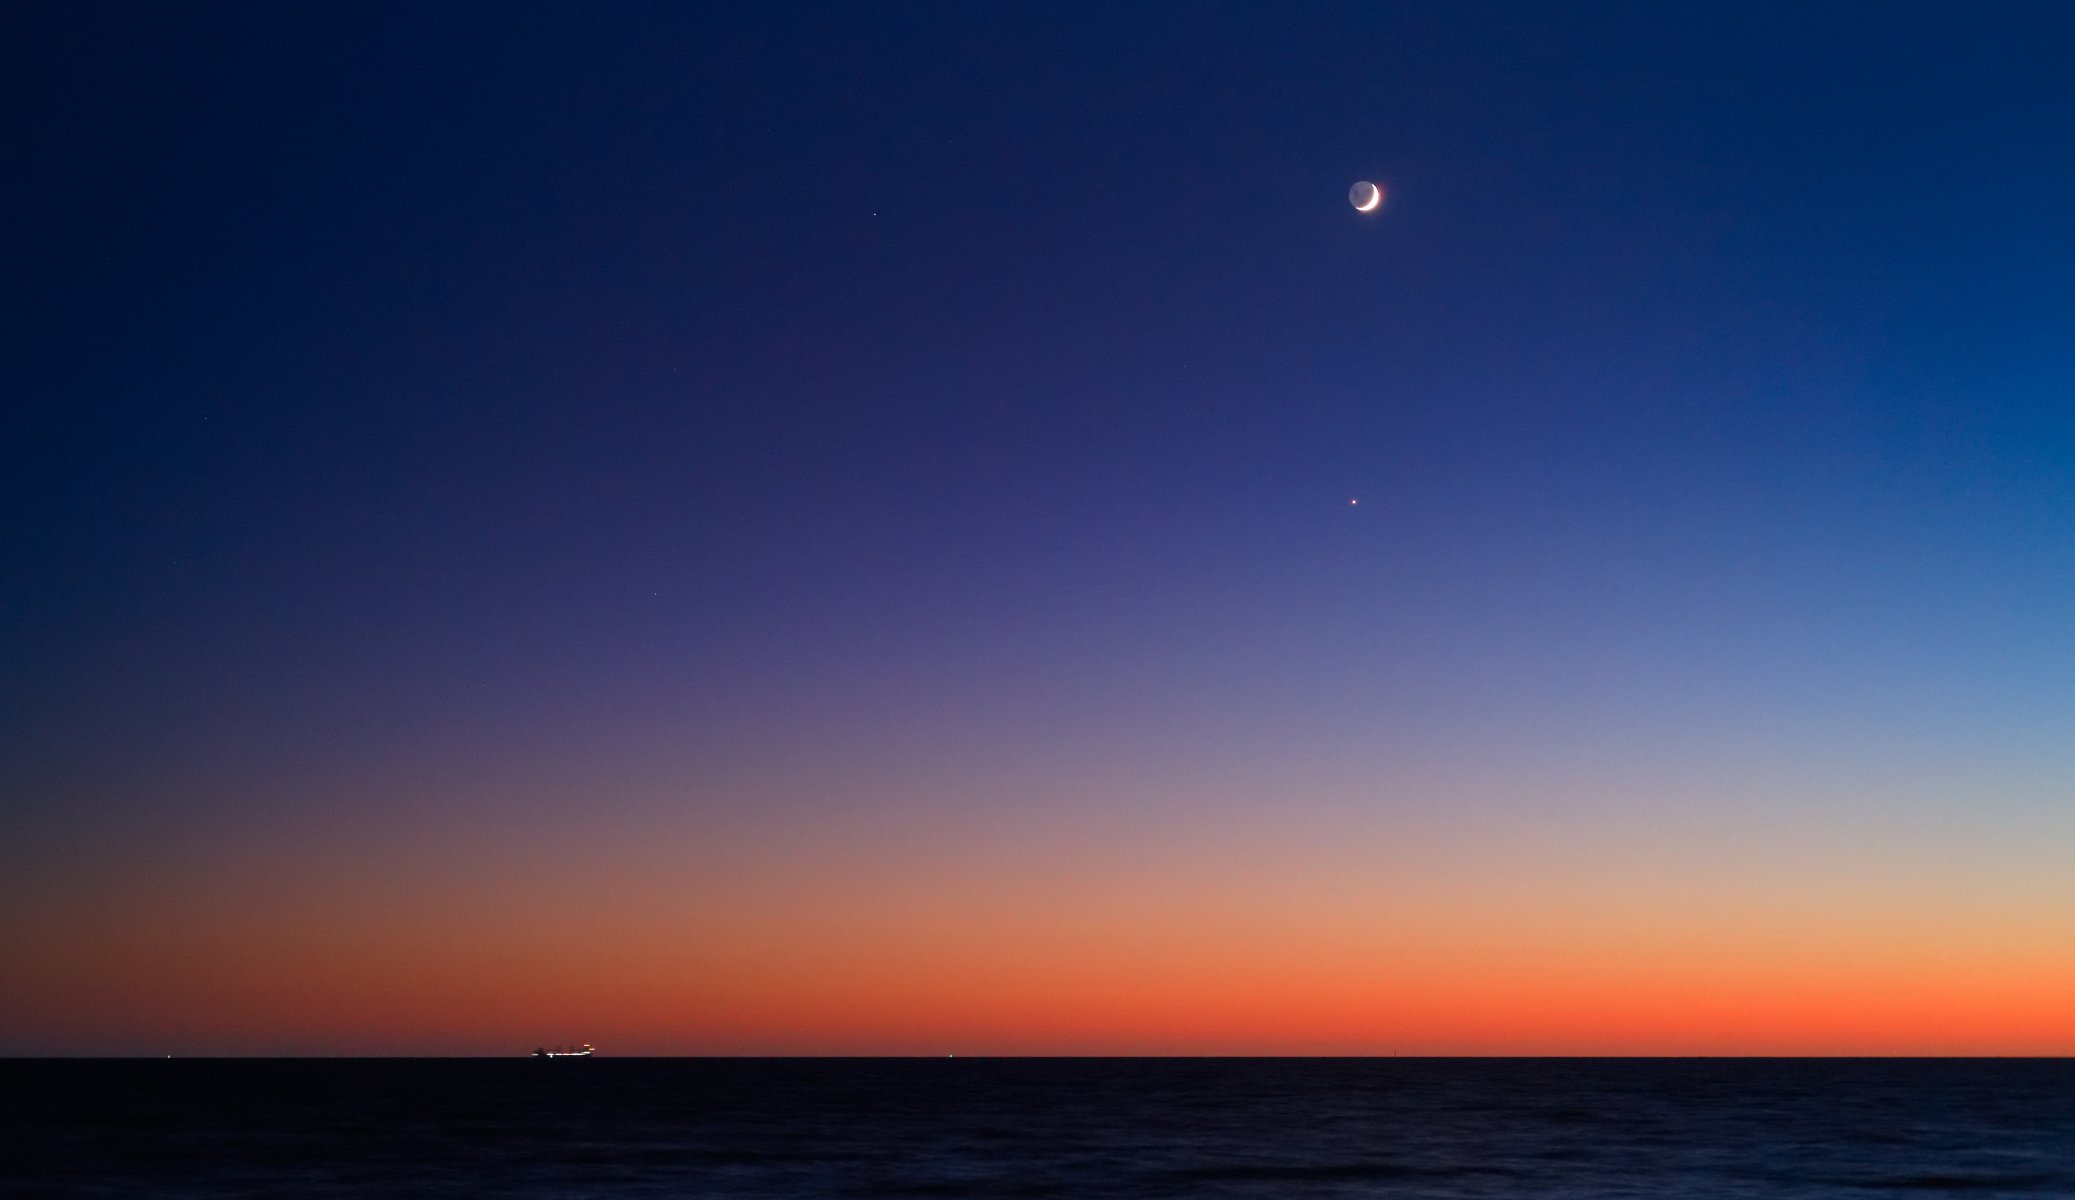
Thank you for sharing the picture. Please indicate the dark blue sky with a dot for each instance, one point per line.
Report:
(406, 403)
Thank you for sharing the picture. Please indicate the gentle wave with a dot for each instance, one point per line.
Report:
(1035, 1129)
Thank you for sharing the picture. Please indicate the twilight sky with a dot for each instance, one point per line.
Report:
(828, 529)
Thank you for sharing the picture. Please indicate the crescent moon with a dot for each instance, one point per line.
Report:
(1375, 200)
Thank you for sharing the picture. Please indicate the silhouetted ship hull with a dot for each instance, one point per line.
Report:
(583, 1051)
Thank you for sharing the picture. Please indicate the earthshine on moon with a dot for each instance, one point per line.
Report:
(1366, 196)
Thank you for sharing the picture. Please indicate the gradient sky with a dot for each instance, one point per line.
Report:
(828, 530)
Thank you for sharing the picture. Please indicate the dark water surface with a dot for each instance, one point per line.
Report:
(1039, 1128)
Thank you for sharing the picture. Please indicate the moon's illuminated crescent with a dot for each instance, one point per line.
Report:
(1365, 196)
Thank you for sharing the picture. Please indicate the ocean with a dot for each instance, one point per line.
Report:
(1080, 1128)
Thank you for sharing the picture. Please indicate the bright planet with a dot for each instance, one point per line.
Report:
(1365, 196)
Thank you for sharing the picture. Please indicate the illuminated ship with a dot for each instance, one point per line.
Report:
(583, 1051)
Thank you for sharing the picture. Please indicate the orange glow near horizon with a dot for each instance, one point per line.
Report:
(1210, 948)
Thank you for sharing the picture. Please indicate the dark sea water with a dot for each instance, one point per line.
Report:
(1039, 1128)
